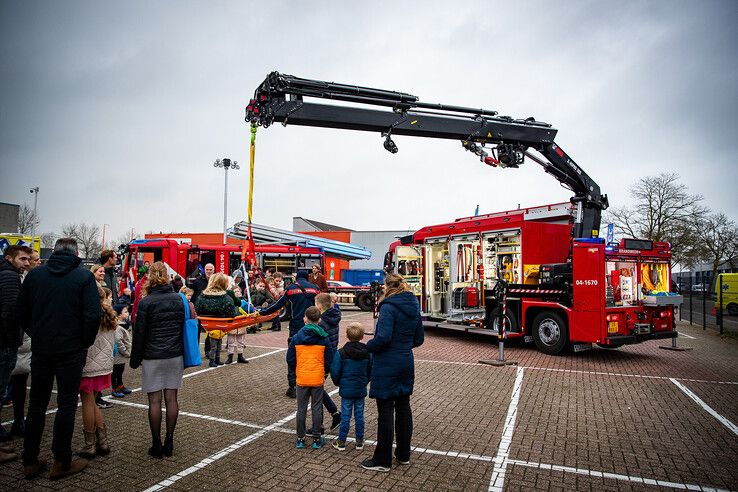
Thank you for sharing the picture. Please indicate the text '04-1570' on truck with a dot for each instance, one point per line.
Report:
(540, 272)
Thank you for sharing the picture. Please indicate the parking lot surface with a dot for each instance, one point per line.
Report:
(636, 418)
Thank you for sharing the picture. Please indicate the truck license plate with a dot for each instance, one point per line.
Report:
(612, 327)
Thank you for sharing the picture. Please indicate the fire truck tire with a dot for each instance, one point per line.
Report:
(364, 302)
(550, 332)
(511, 322)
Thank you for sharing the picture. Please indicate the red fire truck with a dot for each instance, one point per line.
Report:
(608, 295)
(543, 271)
(185, 258)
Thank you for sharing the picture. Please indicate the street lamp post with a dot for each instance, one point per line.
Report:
(102, 247)
(34, 191)
(226, 164)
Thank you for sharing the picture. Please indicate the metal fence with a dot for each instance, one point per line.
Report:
(702, 307)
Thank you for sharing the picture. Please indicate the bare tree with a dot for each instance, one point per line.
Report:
(718, 241)
(27, 220)
(48, 239)
(87, 236)
(662, 210)
(126, 237)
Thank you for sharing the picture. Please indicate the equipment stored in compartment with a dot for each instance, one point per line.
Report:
(556, 274)
(466, 297)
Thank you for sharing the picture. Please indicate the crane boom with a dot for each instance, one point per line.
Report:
(281, 98)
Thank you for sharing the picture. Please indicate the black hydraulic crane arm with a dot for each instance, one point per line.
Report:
(280, 98)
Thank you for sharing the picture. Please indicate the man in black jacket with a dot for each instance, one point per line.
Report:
(59, 308)
(300, 295)
(14, 262)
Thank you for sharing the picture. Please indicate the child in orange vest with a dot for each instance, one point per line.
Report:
(309, 356)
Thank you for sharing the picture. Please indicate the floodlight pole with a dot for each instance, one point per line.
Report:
(34, 191)
(226, 164)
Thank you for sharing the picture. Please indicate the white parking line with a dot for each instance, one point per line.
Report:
(727, 423)
(500, 462)
(497, 481)
(110, 398)
(224, 452)
(686, 336)
(284, 430)
(624, 374)
(615, 476)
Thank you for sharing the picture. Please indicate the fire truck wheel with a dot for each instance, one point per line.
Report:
(364, 302)
(550, 332)
(511, 323)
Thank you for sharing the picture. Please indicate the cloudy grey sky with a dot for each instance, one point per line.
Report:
(116, 110)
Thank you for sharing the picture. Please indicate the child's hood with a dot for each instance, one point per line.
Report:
(355, 350)
(312, 329)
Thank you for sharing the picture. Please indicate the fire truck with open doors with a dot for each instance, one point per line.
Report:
(608, 295)
(564, 284)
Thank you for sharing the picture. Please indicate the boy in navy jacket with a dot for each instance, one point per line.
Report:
(330, 317)
(350, 371)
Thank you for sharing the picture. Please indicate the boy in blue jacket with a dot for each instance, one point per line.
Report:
(350, 371)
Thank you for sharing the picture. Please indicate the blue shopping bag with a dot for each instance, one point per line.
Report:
(190, 338)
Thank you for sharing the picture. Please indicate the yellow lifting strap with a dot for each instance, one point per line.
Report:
(252, 152)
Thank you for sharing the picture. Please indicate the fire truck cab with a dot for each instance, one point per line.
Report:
(559, 291)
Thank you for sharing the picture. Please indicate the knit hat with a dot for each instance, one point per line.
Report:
(302, 274)
(119, 308)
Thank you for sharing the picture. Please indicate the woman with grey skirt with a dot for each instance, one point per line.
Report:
(159, 348)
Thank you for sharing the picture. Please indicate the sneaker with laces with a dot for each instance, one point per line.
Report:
(359, 444)
(403, 462)
(336, 420)
(300, 444)
(318, 442)
(371, 465)
(125, 390)
(118, 394)
(339, 445)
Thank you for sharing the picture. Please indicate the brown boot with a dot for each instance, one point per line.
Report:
(89, 450)
(31, 471)
(5, 457)
(102, 441)
(60, 471)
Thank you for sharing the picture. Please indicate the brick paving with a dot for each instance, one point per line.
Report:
(597, 420)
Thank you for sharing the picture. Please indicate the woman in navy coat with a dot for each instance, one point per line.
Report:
(399, 330)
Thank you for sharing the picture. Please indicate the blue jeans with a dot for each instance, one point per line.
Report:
(347, 406)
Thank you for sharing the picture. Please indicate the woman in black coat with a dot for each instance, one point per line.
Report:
(158, 345)
(399, 330)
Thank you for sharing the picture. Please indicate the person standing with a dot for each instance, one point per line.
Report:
(318, 279)
(19, 376)
(158, 346)
(109, 260)
(59, 308)
(399, 330)
(96, 377)
(300, 295)
(16, 260)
